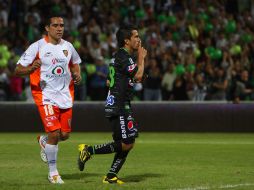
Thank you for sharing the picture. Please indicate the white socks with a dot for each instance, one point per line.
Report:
(51, 152)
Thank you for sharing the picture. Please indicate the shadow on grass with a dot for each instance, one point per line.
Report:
(141, 177)
(80, 175)
(129, 178)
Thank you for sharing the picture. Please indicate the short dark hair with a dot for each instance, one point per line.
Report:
(47, 20)
(123, 33)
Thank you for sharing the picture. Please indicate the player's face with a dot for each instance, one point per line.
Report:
(135, 41)
(56, 28)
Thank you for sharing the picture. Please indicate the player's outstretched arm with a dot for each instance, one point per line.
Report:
(22, 71)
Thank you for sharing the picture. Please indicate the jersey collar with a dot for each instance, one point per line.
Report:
(125, 49)
(46, 38)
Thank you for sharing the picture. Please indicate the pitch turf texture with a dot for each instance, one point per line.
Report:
(166, 161)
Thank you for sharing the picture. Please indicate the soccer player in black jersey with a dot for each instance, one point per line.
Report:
(123, 72)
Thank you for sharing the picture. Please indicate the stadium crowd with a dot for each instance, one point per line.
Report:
(198, 50)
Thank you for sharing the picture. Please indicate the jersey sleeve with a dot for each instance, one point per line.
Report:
(75, 59)
(130, 67)
(29, 55)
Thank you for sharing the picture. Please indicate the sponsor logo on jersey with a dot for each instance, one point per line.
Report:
(51, 118)
(58, 60)
(58, 70)
(49, 124)
(132, 134)
(132, 67)
(65, 53)
(110, 100)
(48, 54)
(129, 117)
(131, 82)
(123, 130)
(23, 56)
(109, 110)
(131, 61)
(130, 125)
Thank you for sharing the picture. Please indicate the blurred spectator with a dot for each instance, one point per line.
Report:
(81, 89)
(31, 31)
(190, 83)
(243, 88)
(200, 88)
(167, 82)
(198, 35)
(218, 88)
(152, 86)
(4, 85)
(16, 85)
(3, 14)
(98, 88)
(179, 92)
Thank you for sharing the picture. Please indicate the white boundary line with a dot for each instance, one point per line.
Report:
(227, 186)
(28, 141)
(141, 142)
(195, 142)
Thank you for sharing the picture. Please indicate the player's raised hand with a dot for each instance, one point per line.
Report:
(142, 51)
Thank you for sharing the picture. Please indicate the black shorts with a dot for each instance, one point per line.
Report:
(124, 128)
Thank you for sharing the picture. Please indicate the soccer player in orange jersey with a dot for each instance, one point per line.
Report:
(53, 66)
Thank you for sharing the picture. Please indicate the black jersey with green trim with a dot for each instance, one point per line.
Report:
(122, 70)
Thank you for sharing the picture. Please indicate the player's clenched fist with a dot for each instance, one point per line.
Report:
(77, 78)
(36, 64)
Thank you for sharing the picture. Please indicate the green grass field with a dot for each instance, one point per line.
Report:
(165, 161)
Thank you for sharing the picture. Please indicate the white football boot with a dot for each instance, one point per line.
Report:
(56, 179)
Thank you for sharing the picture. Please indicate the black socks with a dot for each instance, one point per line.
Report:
(106, 148)
(117, 163)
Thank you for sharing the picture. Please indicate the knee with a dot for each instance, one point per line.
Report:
(127, 147)
(64, 136)
(53, 137)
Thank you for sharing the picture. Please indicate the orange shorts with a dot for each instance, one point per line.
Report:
(54, 118)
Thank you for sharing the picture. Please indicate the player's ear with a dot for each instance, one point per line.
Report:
(126, 41)
(47, 28)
